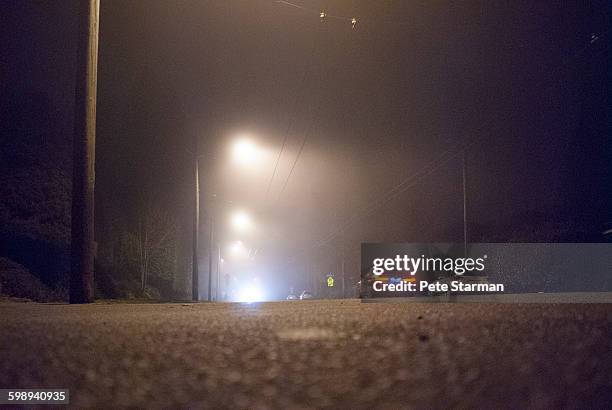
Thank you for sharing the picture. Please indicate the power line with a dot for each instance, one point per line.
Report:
(398, 189)
(306, 135)
(434, 165)
(286, 136)
(292, 114)
(323, 15)
(292, 5)
(353, 19)
(296, 159)
(403, 186)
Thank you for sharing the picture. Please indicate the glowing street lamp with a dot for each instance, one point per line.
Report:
(241, 221)
(245, 152)
(237, 247)
(240, 252)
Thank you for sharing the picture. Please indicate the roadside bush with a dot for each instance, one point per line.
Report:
(17, 281)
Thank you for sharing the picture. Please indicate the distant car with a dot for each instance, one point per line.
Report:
(306, 295)
(292, 297)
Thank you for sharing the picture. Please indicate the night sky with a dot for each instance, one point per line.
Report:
(523, 85)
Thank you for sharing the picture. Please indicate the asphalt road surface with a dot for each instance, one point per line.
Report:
(312, 354)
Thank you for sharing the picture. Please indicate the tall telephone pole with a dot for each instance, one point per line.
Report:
(195, 272)
(465, 215)
(84, 143)
(211, 230)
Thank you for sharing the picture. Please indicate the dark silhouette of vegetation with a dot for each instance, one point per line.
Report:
(137, 255)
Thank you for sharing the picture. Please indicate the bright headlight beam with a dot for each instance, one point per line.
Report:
(250, 294)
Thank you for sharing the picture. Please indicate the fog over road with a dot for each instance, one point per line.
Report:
(312, 354)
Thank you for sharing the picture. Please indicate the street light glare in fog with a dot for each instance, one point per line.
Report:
(245, 151)
(250, 294)
(241, 221)
(237, 249)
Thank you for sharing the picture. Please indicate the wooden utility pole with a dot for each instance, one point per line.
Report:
(84, 142)
(195, 290)
(218, 273)
(342, 266)
(211, 230)
(465, 198)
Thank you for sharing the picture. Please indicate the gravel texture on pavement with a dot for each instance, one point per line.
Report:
(312, 354)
